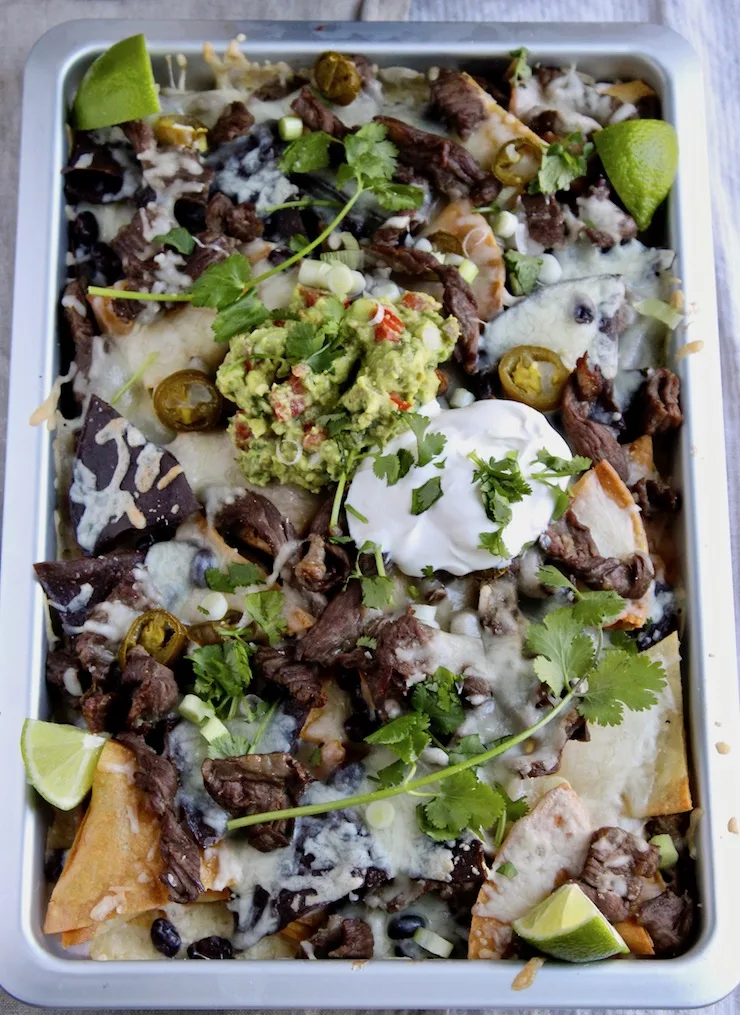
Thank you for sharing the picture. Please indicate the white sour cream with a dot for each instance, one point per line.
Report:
(447, 534)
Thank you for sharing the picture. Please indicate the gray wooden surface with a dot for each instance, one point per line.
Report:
(713, 27)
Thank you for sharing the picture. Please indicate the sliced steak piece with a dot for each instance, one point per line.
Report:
(323, 566)
(255, 521)
(155, 689)
(616, 864)
(235, 121)
(659, 396)
(316, 116)
(587, 401)
(237, 220)
(257, 783)
(570, 543)
(80, 321)
(452, 169)
(669, 920)
(300, 680)
(456, 103)
(545, 220)
(339, 938)
(336, 630)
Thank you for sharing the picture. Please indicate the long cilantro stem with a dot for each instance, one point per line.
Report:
(130, 294)
(308, 810)
(311, 246)
(306, 202)
(337, 505)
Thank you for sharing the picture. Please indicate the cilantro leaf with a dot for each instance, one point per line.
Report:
(467, 747)
(307, 153)
(364, 642)
(494, 543)
(178, 238)
(236, 576)
(266, 610)
(392, 775)
(564, 653)
(437, 697)
(302, 341)
(393, 467)
(232, 746)
(246, 314)
(298, 242)
(427, 571)
(620, 679)
(370, 154)
(562, 162)
(592, 608)
(507, 870)
(422, 497)
(503, 477)
(522, 270)
(462, 801)
(554, 579)
(558, 468)
(377, 592)
(621, 639)
(429, 446)
(222, 674)
(406, 736)
(398, 196)
(518, 70)
(222, 284)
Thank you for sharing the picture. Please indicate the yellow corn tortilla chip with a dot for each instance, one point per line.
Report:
(550, 845)
(638, 769)
(114, 865)
(605, 506)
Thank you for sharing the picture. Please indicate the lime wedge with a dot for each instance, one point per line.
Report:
(640, 158)
(60, 761)
(567, 925)
(118, 86)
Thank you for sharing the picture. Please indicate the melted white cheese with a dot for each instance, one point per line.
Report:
(447, 534)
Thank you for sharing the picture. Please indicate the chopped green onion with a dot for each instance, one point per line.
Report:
(507, 870)
(194, 709)
(213, 729)
(661, 311)
(290, 127)
(668, 851)
(468, 270)
(434, 943)
(352, 258)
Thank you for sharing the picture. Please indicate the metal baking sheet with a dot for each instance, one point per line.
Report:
(33, 967)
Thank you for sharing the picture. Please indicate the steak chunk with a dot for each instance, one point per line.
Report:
(336, 630)
(587, 401)
(456, 103)
(659, 395)
(668, 919)
(316, 116)
(339, 938)
(235, 121)
(300, 680)
(253, 519)
(545, 220)
(256, 783)
(155, 689)
(616, 864)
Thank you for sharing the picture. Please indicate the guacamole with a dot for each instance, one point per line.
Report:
(330, 382)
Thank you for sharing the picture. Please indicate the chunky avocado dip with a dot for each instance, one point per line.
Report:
(330, 382)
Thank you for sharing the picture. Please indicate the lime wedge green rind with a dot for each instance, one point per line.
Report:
(640, 157)
(118, 86)
(60, 761)
(568, 926)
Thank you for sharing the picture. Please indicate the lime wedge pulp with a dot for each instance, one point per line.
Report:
(640, 158)
(60, 761)
(567, 925)
(117, 86)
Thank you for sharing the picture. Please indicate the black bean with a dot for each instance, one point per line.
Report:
(165, 937)
(201, 562)
(211, 948)
(583, 314)
(405, 925)
(83, 232)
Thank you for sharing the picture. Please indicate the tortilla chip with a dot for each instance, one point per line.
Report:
(550, 844)
(638, 769)
(499, 128)
(635, 937)
(114, 865)
(605, 506)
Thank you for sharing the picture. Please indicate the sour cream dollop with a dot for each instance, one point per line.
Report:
(447, 534)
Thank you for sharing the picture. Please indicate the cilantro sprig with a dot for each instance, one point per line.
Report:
(562, 163)
(502, 483)
(266, 610)
(599, 682)
(522, 272)
(370, 162)
(518, 70)
(377, 590)
(236, 576)
(559, 468)
(222, 674)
